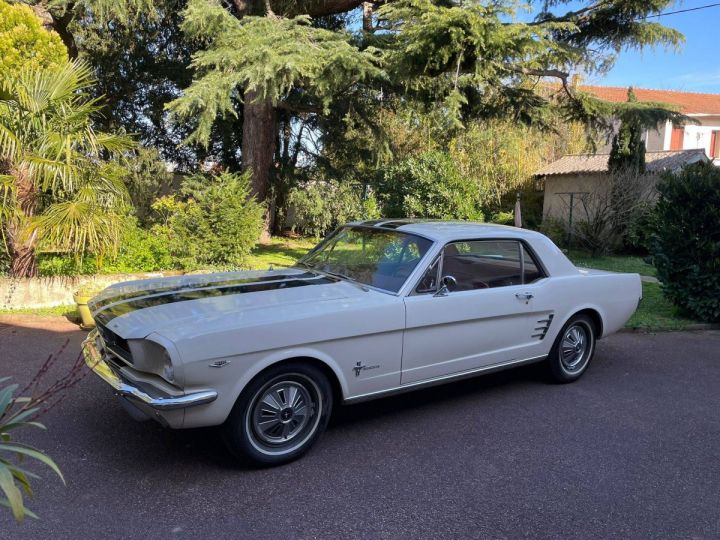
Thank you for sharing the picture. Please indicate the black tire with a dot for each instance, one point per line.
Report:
(570, 366)
(276, 398)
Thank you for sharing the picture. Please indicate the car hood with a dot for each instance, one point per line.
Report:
(182, 305)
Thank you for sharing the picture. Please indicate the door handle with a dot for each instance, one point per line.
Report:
(524, 296)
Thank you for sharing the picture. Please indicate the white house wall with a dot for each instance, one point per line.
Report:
(696, 136)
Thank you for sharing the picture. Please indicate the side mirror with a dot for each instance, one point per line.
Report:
(446, 283)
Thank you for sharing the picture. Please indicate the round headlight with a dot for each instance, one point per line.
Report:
(151, 357)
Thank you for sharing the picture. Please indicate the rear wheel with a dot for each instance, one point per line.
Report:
(573, 350)
(279, 415)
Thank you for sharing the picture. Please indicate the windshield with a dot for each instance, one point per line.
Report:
(377, 257)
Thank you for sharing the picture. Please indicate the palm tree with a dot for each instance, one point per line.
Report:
(60, 190)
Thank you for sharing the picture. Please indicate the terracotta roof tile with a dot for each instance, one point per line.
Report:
(589, 163)
(689, 102)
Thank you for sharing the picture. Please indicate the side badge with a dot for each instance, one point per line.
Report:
(361, 367)
(220, 363)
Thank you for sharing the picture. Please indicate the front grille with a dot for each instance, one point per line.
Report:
(115, 344)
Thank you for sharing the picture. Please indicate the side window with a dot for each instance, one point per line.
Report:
(532, 270)
(483, 264)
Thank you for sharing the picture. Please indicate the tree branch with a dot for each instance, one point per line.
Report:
(556, 73)
(321, 8)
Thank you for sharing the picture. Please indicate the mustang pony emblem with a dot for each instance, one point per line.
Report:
(360, 367)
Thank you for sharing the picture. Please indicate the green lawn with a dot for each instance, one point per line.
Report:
(656, 313)
(280, 252)
(69, 311)
(613, 263)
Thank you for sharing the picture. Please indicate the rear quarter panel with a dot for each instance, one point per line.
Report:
(613, 296)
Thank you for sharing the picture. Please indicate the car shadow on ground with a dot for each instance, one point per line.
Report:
(206, 444)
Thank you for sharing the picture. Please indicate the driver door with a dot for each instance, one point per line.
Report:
(488, 316)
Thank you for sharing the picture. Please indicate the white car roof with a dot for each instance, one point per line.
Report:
(442, 232)
(445, 231)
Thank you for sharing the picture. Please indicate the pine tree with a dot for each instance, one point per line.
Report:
(628, 148)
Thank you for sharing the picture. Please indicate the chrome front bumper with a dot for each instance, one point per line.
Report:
(143, 394)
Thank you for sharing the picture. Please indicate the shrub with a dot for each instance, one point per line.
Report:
(24, 43)
(429, 186)
(54, 264)
(503, 218)
(640, 233)
(147, 180)
(319, 206)
(140, 251)
(604, 215)
(217, 226)
(556, 230)
(687, 247)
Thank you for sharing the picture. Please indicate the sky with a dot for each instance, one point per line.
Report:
(694, 68)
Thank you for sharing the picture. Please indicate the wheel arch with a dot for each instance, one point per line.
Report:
(595, 316)
(326, 369)
(316, 358)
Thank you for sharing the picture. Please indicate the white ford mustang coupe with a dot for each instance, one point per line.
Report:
(378, 307)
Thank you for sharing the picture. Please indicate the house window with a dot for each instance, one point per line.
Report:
(677, 137)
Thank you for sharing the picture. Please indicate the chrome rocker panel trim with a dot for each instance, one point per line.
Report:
(443, 379)
(157, 400)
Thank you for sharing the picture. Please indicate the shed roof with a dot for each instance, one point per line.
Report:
(589, 163)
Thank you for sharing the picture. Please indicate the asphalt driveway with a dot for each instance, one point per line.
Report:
(631, 450)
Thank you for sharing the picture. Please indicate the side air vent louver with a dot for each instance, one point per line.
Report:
(543, 326)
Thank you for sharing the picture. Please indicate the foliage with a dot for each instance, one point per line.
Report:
(503, 218)
(628, 147)
(429, 186)
(484, 57)
(140, 251)
(147, 180)
(320, 206)
(20, 410)
(58, 191)
(140, 60)
(217, 225)
(687, 251)
(266, 56)
(24, 43)
(556, 230)
(641, 231)
(496, 156)
(14, 480)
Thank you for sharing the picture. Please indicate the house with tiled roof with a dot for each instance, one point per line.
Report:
(703, 108)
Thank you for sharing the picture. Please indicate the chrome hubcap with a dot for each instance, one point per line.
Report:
(574, 346)
(282, 412)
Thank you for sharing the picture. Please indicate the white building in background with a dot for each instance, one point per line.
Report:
(705, 108)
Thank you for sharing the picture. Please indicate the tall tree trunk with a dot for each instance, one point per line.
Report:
(367, 17)
(258, 148)
(23, 260)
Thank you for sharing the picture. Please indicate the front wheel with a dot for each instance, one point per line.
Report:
(279, 415)
(573, 349)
